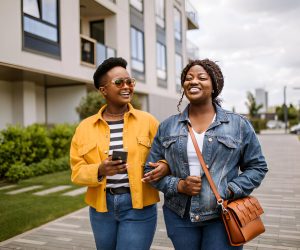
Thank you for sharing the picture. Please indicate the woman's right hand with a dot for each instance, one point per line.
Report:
(109, 167)
(190, 186)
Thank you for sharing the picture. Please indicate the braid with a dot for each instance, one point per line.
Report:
(180, 101)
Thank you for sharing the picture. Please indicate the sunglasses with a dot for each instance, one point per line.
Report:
(120, 82)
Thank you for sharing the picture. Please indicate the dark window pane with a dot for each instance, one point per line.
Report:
(87, 51)
(97, 31)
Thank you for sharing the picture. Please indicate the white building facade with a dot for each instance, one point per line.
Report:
(261, 98)
(51, 48)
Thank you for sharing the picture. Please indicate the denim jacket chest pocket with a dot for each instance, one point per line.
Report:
(89, 152)
(227, 149)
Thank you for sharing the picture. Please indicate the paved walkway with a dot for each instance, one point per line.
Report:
(279, 195)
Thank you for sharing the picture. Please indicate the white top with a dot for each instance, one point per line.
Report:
(194, 164)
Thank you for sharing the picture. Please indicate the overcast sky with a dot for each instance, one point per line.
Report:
(257, 45)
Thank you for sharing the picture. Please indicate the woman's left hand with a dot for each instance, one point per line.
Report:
(161, 169)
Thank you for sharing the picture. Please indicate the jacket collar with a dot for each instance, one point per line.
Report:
(131, 111)
(221, 115)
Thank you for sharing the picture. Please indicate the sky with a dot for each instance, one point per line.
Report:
(257, 45)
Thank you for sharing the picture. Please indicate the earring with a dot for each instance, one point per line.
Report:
(213, 91)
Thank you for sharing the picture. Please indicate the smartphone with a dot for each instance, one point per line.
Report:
(119, 155)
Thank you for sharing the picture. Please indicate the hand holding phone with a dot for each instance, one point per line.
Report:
(119, 155)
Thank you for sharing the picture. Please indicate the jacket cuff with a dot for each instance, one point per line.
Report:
(172, 190)
(237, 192)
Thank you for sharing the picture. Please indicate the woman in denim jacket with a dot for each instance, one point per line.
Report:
(230, 149)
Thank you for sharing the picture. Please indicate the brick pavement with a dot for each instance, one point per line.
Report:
(279, 195)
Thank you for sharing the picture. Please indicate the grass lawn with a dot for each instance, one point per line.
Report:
(24, 211)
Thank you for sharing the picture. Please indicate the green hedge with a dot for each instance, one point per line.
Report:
(20, 148)
(20, 171)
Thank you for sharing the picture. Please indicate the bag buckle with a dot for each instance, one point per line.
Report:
(220, 203)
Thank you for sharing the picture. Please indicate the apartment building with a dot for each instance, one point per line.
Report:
(51, 48)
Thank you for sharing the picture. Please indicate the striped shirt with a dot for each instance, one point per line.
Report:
(116, 143)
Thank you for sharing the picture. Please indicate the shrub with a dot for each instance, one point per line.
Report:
(258, 124)
(61, 136)
(26, 146)
(18, 172)
(37, 145)
(23, 145)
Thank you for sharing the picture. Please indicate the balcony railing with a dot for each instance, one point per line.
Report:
(192, 16)
(94, 53)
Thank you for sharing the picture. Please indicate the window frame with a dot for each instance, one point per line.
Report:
(176, 10)
(178, 72)
(26, 36)
(160, 20)
(134, 4)
(136, 58)
(161, 68)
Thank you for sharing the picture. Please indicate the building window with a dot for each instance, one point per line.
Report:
(177, 24)
(138, 4)
(40, 26)
(161, 65)
(160, 12)
(137, 49)
(178, 69)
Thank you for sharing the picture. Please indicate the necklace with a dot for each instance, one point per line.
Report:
(114, 115)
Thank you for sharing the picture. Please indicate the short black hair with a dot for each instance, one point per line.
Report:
(106, 66)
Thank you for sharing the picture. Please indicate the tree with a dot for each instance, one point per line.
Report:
(292, 114)
(93, 101)
(253, 108)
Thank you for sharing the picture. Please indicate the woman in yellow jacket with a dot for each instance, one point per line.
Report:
(123, 211)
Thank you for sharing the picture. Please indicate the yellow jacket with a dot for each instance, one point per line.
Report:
(90, 146)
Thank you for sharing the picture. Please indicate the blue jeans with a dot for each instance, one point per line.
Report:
(184, 234)
(123, 227)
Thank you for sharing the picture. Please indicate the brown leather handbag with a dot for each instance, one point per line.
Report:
(241, 217)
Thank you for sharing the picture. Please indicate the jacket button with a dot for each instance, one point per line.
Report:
(197, 217)
(210, 139)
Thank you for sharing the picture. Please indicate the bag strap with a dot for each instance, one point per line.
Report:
(205, 168)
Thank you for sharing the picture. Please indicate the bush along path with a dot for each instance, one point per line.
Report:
(34, 150)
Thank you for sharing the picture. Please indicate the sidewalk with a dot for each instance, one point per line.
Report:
(279, 196)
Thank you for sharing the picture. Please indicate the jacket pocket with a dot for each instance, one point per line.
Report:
(89, 152)
(228, 142)
(144, 145)
(168, 142)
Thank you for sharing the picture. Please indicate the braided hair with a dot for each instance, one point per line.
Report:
(215, 74)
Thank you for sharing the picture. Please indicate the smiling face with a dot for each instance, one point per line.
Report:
(114, 95)
(198, 85)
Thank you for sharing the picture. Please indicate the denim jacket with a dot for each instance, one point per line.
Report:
(230, 144)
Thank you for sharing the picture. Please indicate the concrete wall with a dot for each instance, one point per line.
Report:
(61, 103)
(40, 104)
(6, 109)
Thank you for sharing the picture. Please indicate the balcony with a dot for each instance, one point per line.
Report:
(192, 16)
(94, 53)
